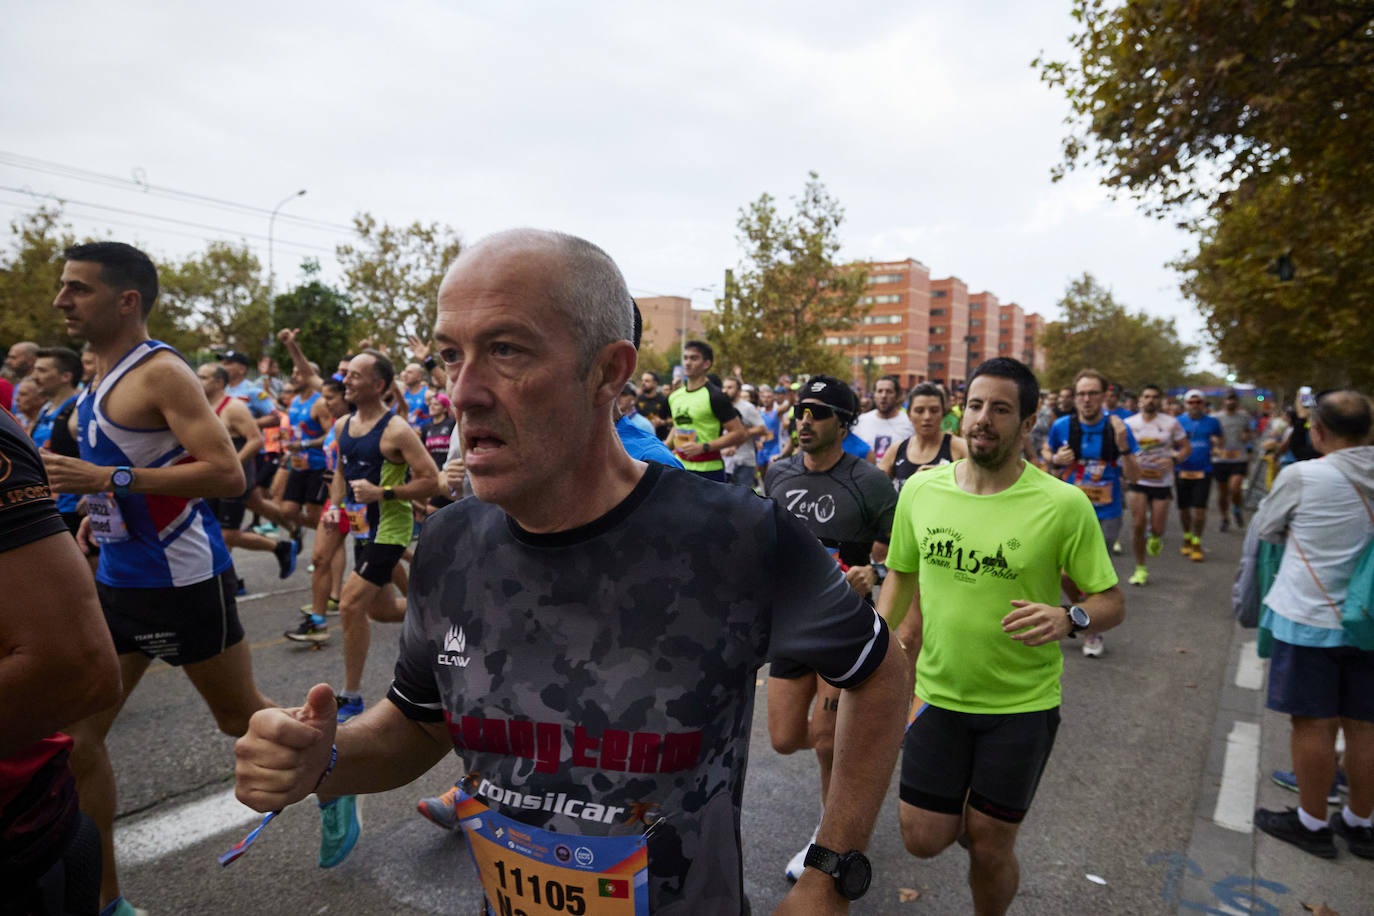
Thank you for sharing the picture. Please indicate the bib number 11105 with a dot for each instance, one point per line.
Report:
(553, 894)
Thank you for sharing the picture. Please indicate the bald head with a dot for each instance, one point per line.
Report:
(578, 279)
(21, 358)
(1344, 415)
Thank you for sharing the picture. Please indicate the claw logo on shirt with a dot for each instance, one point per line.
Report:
(455, 643)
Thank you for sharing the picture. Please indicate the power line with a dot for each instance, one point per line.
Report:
(167, 219)
(50, 167)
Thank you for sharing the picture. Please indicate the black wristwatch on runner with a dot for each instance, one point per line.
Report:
(1078, 619)
(851, 871)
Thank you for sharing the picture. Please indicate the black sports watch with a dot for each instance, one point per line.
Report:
(1078, 619)
(851, 871)
(121, 480)
(430, 362)
(388, 493)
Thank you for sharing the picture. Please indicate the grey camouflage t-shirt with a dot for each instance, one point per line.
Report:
(613, 666)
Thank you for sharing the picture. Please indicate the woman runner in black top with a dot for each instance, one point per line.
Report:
(928, 448)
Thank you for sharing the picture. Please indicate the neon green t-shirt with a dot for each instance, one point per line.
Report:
(973, 555)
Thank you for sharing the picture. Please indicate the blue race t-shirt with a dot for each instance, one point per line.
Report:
(1200, 433)
(769, 450)
(1090, 473)
(856, 446)
(644, 446)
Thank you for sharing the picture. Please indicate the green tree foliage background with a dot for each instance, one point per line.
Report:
(789, 290)
(392, 277)
(29, 275)
(1130, 348)
(322, 314)
(1252, 122)
(216, 299)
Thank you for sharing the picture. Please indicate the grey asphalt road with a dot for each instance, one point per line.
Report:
(1121, 823)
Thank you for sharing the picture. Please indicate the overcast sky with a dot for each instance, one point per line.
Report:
(641, 127)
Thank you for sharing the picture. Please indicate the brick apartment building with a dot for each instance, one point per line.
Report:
(921, 329)
(663, 319)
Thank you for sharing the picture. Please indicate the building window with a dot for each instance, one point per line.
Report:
(879, 300)
(974, 322)
(973, 340)
(882, 319)
(1005, 332)
(887, 278)
(937, 348)
(935, 312)
(975, 306)
(1003, 347)
(934, 366)
(938, 294)
(939, 329)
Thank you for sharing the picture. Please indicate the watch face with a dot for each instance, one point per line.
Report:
(855, 875)
(122, 478)
(1078, 616)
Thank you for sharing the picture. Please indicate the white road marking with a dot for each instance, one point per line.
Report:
(1250, 671)
(153, 837)
(1236, 800)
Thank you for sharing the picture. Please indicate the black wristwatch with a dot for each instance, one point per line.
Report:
(121, 480)
(430, 362)
(851, 871)
(388, 493)
(1078, 619)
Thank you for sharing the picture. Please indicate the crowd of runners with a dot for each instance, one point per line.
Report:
(916, 562)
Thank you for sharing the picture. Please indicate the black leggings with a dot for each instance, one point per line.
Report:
(70, 888)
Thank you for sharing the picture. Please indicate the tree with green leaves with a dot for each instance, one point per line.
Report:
(789, 290)
(216, 298)
(321, 313)
(29, 276)
(392, 277)
(1130, 348)
(1253, 121)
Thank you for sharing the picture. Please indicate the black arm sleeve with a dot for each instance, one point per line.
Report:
(818, 620)
(721, 406)
(27, 510)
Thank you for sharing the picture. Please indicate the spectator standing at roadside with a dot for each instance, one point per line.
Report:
(1324, 510)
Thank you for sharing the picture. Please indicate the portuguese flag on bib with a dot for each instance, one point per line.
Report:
(612, 887)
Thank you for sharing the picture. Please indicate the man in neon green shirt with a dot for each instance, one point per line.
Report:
(704, 419)
(973, 588)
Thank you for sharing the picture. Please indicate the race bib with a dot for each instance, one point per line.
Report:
(357, 520)
(299, 462)
(538, 872)
(1191, 475)
(1232, 454)
(1151, 473)
(107, 522)
(683, 437)
(1099, 494)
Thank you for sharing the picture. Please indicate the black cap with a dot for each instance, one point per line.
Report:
(830, 390)
(234, 356)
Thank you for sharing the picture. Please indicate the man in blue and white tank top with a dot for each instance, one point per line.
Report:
(152, 451)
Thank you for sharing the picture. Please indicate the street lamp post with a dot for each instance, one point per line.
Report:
(271, 261)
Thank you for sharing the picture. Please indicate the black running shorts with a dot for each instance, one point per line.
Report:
(1154, 494)
(181, 626)
(374, 562)
(267, 469)
(991, 762)
(229, 512)
(310, 486)
(1225, 470)
(1193, 493)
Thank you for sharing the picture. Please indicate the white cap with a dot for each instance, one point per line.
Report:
(1194, 393)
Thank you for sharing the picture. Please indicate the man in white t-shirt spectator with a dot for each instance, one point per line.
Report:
(745, 465)
(886, 424)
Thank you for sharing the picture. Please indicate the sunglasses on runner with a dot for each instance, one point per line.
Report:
(817, 411)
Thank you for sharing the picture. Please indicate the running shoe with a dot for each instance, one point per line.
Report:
(1196, 553)
(286, 557)
(330, 607)
(121, 907)
(1139, 577)
(348, 707)
(340, 824)
(1187, 548)
(1238, 516)
(1286, 826)
(1153, 545)
(1287, 779)
(1225, 523)
(797, 863)
(1094, 646)
(266, 528)
(441, 811)
(1116, 548)
(298, 536)
(241, 589)
(1359, 839)
(311, 629)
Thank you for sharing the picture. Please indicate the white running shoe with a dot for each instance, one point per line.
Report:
(797, 863)
(1093, 646)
